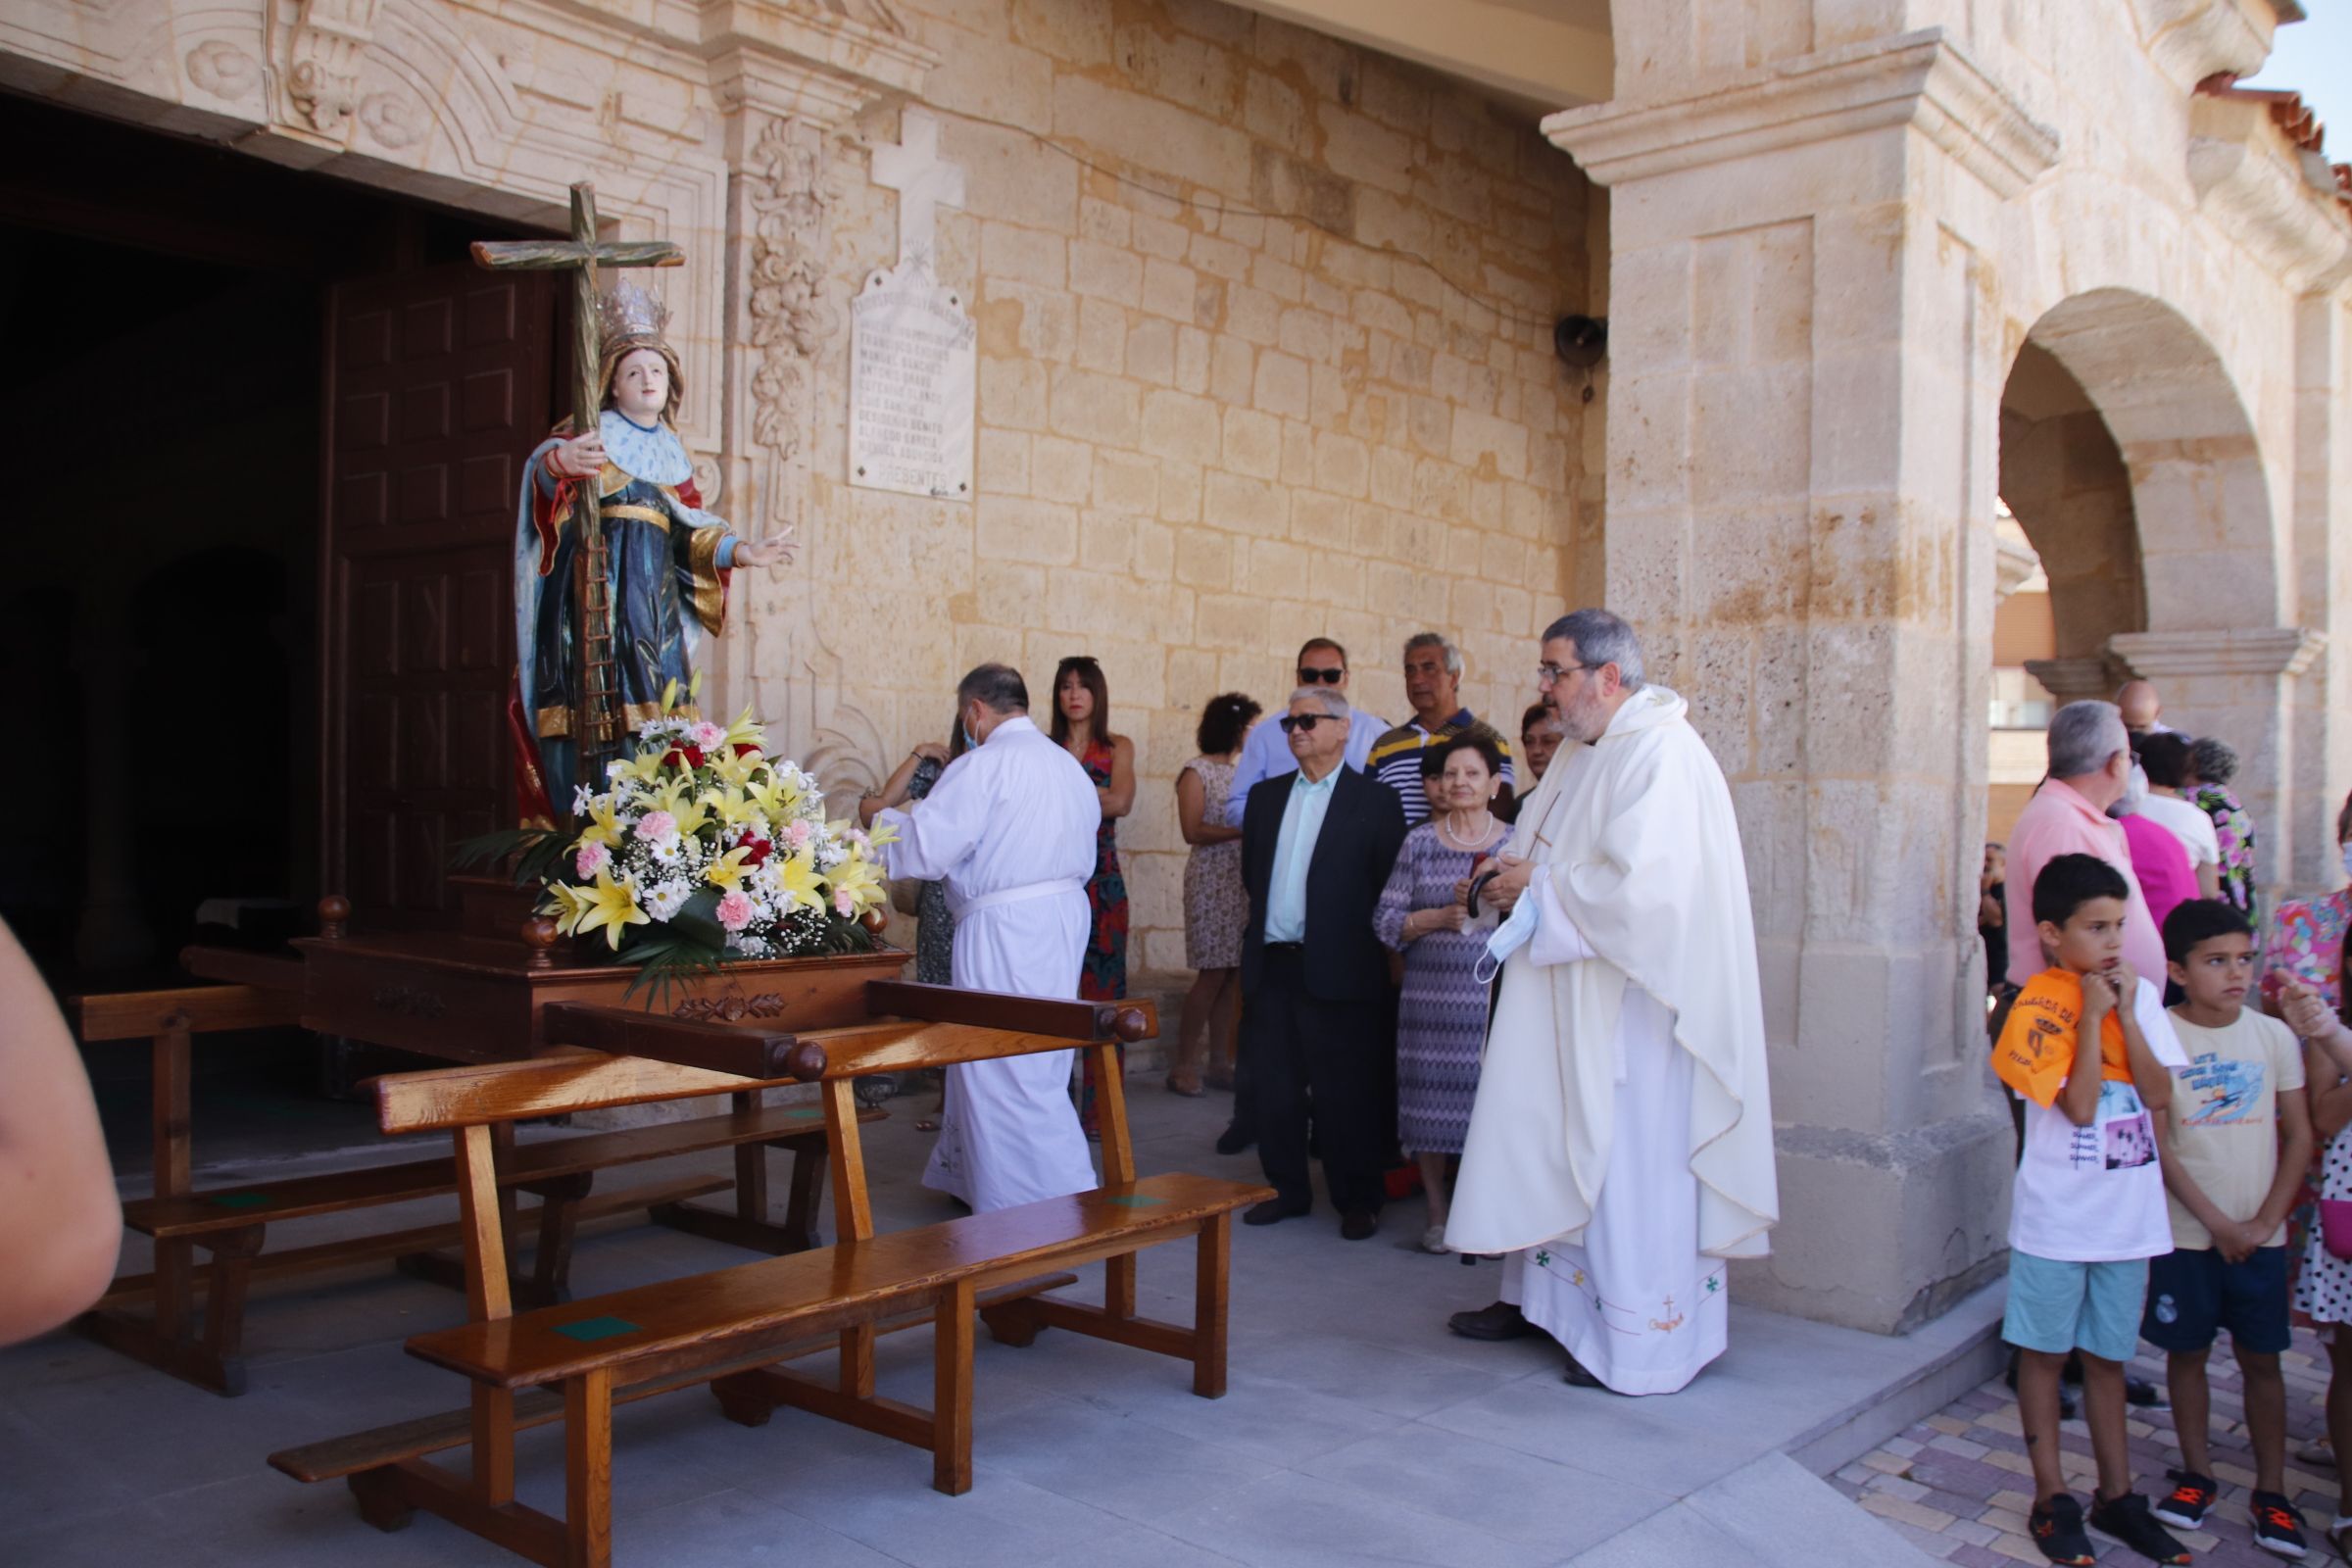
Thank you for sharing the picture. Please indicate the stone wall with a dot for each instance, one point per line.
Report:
(1205, 433)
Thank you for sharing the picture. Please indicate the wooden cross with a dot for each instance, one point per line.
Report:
(923, 182)
(596, 723)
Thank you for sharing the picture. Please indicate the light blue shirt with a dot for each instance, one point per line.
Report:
(1266, 755)
(1294, 850)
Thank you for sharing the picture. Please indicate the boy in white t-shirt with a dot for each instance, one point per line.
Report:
(2239, 1144)
(2086, 1044)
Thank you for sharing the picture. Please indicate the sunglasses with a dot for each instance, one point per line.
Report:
(1309, 677)
(1304, 722)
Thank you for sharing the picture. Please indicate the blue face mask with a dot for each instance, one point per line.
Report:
(1508, 938)
(969, 744)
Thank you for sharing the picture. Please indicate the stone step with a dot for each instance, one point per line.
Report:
(1770, 1513)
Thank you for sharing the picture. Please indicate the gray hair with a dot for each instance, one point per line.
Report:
(2213, 760)
(1601, 638)
(2083, 736)
(1435, 639)
(996, 687)
(1334, 705)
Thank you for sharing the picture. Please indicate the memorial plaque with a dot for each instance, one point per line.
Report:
(913, 355)
(913, 363)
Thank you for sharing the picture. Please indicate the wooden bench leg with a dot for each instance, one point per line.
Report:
(588, 1470)
(803, 1219)
(1211, 1280)
(1015, 1323)
(550, 1283)
(232, 1252)
(952, 1393)
(384, 1501)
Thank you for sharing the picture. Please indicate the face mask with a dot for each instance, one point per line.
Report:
(1509, 936)
(2347, 853)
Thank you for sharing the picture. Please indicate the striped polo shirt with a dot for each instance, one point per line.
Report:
(1396, 758)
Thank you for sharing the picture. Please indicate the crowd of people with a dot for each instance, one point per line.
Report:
(2180, 1068)
(1379, 921)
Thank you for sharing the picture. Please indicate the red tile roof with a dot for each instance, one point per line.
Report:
(2290, 114)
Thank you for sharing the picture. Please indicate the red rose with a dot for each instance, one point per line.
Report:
(761, 850)
(683, 755)
(746, 749)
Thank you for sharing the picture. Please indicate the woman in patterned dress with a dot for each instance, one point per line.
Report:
(1214, 905)
(1082, 724)
(2212, 764)
(1441, 1015)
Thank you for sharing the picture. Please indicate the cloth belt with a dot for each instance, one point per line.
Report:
(1027, 889)
(652, 515)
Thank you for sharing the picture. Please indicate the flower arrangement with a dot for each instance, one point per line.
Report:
(700, 849)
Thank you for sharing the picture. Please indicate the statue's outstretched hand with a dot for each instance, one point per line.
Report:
(581, 458)
(774, 550)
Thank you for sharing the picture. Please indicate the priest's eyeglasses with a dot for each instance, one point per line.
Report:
(1304, 722)
(1548, 673)
(1309, 677)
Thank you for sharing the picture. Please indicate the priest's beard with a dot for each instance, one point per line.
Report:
(1584, 717)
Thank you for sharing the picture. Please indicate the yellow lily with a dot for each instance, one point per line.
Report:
(745, 731)
(798, 881)
(690, 809)
(670, 697)
(728, 767)
(857, 878)
(882, 833)
(734, 807)
(609, 906)
(568, 906)
(727, 870)
(779, 800)
(604, 824)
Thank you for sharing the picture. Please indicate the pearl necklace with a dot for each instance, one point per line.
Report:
(1446, 826)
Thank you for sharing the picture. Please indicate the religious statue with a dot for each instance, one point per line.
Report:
(665, 568)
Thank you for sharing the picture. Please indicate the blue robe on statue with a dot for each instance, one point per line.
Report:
(666, 563)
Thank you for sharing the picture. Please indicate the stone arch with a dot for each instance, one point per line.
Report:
(2200, 500)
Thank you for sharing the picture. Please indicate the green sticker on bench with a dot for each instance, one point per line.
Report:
(595, 1328)
(1134, 1201)
(239, 1200)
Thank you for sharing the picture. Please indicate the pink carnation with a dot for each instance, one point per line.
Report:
(592, 858)
(843, 904)
(706, 735)
(797, 834)
(656, 826)
(735, 910)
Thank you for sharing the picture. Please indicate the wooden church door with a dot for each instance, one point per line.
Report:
(438, 385)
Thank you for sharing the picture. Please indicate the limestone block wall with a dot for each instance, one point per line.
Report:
(1218, 411)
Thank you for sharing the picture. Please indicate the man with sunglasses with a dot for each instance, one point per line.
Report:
(1265, 756)
(1317, 847)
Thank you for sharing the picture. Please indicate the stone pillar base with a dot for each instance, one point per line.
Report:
(1867, 1220)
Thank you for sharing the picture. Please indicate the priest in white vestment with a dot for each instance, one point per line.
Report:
(1620, 1147)
(1010, 828)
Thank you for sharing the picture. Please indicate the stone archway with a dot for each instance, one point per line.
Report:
(2129, 458)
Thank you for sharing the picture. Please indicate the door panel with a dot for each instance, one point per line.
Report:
(438, 383)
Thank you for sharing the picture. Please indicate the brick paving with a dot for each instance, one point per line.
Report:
(1958, 1485)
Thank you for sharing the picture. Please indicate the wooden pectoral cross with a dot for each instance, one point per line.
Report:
(596, 722)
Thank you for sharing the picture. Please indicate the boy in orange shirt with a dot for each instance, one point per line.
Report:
(2087, 1046)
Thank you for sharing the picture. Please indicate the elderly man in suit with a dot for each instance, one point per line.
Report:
(1317, 847)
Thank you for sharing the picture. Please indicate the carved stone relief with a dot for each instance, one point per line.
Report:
(318, 56)
(791, 318)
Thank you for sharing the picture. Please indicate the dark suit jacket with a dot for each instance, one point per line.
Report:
(1362, 830)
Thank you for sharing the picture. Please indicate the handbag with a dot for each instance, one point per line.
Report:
(2336, 1227)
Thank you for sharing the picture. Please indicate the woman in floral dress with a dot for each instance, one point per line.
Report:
(1082, 724)
(1441, 1015)
(1214, 905)
(2212, 764)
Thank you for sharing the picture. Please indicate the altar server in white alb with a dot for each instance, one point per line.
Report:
(1009, 827)
(1620, 1148)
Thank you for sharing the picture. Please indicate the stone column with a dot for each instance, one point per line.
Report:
(2075, 681)
(1805, 380)
(2242, 686)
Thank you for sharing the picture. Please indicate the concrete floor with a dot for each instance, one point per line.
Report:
(1356, 1429)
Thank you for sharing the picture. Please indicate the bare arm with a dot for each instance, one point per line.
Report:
(1118, 795)
(2209, 881)
(2329, 1088)
(1191, 813)
(61, 1224)
(2152, 1078)
(2295, 1143)
(2078, 1101)
(894, 788)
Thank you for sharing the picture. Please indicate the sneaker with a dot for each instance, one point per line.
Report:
(2057, 1529)
(2277, 1526)
(2127, 1520)
(2142, 1394)
(2189, 1500)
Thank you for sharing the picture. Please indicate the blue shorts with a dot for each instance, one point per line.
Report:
(2057, 1307)
(2193, 1295)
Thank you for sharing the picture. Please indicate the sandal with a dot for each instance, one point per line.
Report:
(1175, 1088)
(926, 1124)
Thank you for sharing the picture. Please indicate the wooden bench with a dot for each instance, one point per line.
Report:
(229, 1224)
(734, 1327)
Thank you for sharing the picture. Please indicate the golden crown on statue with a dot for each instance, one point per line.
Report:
(627, 313)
